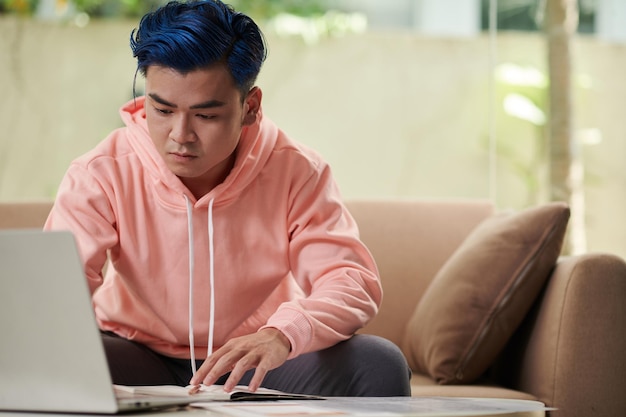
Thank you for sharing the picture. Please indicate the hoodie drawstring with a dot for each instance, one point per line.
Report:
(211, 280)
(192, 350)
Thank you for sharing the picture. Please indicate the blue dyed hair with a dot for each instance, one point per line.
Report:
(187, 36)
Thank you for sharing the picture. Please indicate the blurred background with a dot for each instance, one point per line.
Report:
(517, 101)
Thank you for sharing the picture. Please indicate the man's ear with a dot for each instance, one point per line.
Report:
(252, 105)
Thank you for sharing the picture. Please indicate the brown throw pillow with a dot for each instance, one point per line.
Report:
(482, 293)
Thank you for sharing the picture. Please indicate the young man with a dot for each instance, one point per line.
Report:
(232, 258)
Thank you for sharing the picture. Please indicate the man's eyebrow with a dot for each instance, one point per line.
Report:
(161, 100)
(205, 105)
(208, 104)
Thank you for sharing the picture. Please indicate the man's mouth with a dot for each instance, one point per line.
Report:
(182, 156)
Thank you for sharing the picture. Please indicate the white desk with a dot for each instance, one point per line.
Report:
(346, 407)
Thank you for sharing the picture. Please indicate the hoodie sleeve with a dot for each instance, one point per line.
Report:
(82, 208)
(331, 264)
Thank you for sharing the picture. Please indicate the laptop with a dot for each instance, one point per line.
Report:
(51, 355)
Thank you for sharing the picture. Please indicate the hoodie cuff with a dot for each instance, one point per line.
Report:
(295, 326)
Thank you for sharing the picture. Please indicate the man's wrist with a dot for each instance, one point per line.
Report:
(280, 336)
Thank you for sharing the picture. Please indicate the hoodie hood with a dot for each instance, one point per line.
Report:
(255, 147)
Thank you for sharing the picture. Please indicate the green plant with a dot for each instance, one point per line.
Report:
(117, 8)
(258, 9)
(22, 7)
(267, 9)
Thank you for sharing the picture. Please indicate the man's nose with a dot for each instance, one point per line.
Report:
(181, 130)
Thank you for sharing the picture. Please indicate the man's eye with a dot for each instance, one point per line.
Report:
(163, 111)
(207, 116)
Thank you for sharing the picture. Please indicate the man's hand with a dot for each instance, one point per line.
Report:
(265, 350)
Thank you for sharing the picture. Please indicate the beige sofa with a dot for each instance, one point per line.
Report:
(569, 351)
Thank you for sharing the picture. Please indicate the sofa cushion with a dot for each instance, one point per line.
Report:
(424, 386)
(482, 293)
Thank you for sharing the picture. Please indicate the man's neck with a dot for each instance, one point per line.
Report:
(203, 185)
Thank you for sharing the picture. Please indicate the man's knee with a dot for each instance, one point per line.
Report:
(377, 366)
(366, 366)
(133, 364)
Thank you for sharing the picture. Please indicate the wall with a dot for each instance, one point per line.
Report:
(394, 113)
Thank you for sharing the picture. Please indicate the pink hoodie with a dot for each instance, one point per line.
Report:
(272, 246)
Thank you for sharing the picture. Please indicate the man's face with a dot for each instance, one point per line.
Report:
(195, 121)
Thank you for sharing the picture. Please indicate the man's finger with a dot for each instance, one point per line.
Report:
(240, 368)
(257, 379)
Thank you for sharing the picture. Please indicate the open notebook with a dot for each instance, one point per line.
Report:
(212, 393)
(50, 339)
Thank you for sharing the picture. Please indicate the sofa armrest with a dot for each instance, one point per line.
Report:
(571, 350)
(27, 214)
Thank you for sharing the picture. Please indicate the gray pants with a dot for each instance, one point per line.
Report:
(364, 365)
